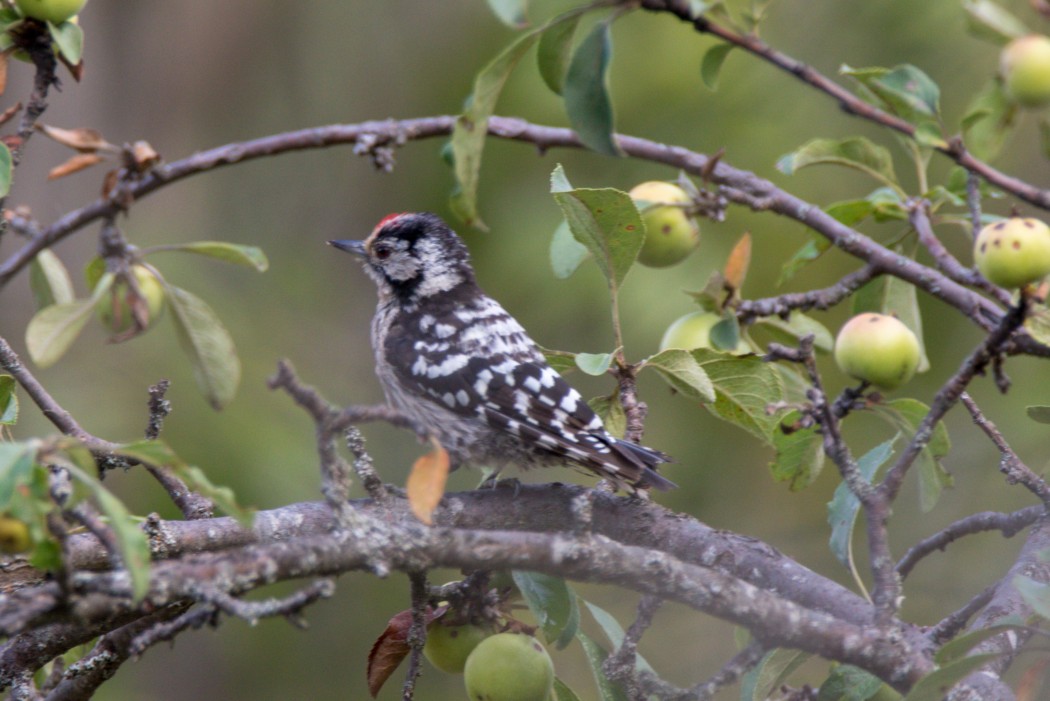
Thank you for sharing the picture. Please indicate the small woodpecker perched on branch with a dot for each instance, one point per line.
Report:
(453, 360)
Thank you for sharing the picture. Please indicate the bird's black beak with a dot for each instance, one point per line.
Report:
(350, 246)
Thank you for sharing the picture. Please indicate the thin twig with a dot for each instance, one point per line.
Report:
(1009, 524)
(417, 633)
(952, 624)
(822, 299)
(1010, 464)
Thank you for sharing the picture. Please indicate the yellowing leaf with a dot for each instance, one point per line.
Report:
(82, 139)
(75, 164)
(426, 482)
(739, 260)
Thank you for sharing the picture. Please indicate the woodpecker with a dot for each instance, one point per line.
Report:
(450, 358)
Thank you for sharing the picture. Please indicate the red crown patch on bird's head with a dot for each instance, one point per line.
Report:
(388, 218)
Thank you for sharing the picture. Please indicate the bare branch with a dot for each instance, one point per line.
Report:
(1010, 465)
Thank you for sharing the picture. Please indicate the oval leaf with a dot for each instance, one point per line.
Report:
(53, 329)
(426, 482)
(8, 402)
(681, 370)
(1039, 413)
(553, 602)
(843, 507)
(988, 20)
(511, 12)
(249, 256)
(555, 51)
(604, 220)
(799, 453)
(208, 344)
(594, 363)
(49, 280)
(69, 40)
(586, 92)
(566, 252)
(711, 65)
(744, 387)
(739, 260)
(858, 153)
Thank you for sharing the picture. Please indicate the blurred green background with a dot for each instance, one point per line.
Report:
(190, 75)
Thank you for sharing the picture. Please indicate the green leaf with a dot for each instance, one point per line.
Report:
(562, 361)
(988, 20)
(989, 120)
(49, 280)
(53, 329)
(208, 345)
(857, 152)
(906, 414)
(159, 453)
(849, 683)
(562, 692)
(608, 690)
(761, 682)
(566, 252)
(511, 12)
(249, 256)
(796, 327)
(606, 221)
(809, 252)
(956, 648)
(610, 411)
(929, 134)
(69, 40)
(594, 363)
(850, 212)
(1035, 413)
(555, 51)
(8, 401)
(744, 387)
(615, 633)
(1037, 323)
(844, 506)
(16, 466)
(131, 541)
(586, 91)
(725, 334)
(1036, 594)
(680, 369)
(468, 135)
(887, 294)
(909, 92)
(936, 685)
(711, 65)
(553, 602)
(799, 453)
(6, 170)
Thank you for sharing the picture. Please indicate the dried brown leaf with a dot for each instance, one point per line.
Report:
(4, 56)
(391, 648)
(76, 163)
(82, 138)
(739, 260)
(109, 182)
(10, 112)
(426, 482)
(144, 155)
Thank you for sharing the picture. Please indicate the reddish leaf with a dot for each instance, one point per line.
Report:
(76, 163)
(81, 139)
(391, 648)
(144, 155)
(10, 112)
(426, 482)
(739, 260)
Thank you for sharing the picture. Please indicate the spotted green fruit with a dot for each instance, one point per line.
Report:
(877, 348)
(1025, 67)
(670, 234)
(56, 11)
(1013, 252)
(115, 309)
(14, 536)
(447, 647)
(694, 331)
(509, 667)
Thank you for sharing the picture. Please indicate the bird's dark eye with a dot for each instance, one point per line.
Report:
(381, 252)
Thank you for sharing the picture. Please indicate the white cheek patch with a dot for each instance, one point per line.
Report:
(440, 273)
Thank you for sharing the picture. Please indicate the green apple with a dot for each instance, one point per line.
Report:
(1013, 252)
(877, 348)
(509, 667)
(447, 647)
(1025, 67)
(54, 11)
(14, 536)
(670, 234)
(694, 331)
(115, 308)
